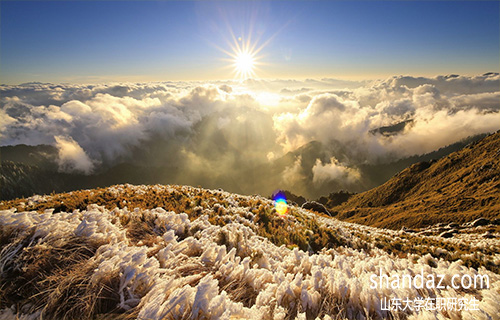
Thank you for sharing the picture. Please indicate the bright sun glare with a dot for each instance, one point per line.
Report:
(244, 56)
(244, 63)
(244, 52)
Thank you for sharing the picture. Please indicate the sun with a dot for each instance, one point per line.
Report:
(244, 51)
(244, 57)
(244, 60)
(244, 63)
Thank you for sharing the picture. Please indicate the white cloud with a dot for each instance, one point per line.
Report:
(72, 158)
(432, 130)
(440, 116)
(487, 101)
(227, 127)
(293, 174)
(334, 170)
(327, 117)
(76, 108)
(5, 122)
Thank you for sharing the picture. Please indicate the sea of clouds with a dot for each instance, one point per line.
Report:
(222, 129)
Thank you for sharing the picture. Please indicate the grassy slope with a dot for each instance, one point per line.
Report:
(176, 199)
(52, 274)
(460, 187)
(297, 230)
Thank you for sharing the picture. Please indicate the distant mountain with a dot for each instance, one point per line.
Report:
(27, 170)
(376, 174)
(23, 180)
(372, 175)
(459, 187)
(43, 156)
(392, 129)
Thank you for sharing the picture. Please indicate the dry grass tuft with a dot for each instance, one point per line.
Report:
(239, 290)
(72, 296)
(53, 277)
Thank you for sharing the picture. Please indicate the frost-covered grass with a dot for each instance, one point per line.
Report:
(172, 252)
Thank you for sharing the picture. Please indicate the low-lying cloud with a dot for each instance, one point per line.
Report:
(218, 133)
(334, 170)
(72, 158)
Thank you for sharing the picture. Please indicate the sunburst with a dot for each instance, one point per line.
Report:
(244, 58)
(244, 52)
(244, 64)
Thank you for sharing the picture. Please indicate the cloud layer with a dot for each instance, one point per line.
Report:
(72, 158)
(218, 133)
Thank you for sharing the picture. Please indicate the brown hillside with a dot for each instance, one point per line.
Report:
(460, 187)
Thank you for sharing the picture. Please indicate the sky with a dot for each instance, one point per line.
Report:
(106, 41)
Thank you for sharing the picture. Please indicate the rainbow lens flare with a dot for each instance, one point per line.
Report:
(280, 203)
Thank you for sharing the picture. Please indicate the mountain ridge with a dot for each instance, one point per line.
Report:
(28, 170)
(460, 187)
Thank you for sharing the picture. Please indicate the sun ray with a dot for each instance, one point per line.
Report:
(243, 50)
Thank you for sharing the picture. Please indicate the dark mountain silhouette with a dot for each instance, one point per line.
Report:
(393, 129)
(27, 170)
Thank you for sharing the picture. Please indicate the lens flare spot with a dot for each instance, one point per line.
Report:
(280, 204)
(281, 207)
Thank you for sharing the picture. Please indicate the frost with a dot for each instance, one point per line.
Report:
(194, 269)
